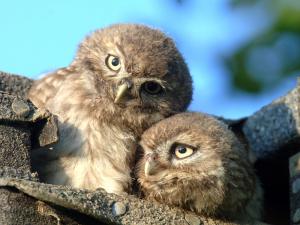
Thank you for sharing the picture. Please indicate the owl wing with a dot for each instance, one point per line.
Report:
(45, 89)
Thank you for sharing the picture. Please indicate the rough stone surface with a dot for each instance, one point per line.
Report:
(14, 84)
(15, 136)
(294, 163)
(296, 216)
(20, 108)
(98, 204)
(296, 186)
(16, 208)
(192, 219)
(49, 133)
(18, 173)
(119, 208)
(18, 158)
(7, 113)
(19, 209)
(274, 125)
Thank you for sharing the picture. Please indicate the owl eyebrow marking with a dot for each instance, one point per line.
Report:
(111, 54)
(120, 48)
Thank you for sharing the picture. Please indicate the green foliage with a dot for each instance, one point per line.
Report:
(270, 57)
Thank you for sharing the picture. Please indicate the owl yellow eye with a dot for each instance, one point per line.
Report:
(113, 63)
(183, 152)
(152, 88)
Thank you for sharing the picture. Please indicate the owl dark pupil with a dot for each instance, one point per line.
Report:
(152, 87)
(182, 150)
(115, 62)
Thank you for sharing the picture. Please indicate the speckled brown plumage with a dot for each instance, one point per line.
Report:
(123, 79)
(194, 161)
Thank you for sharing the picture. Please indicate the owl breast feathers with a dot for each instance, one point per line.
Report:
(123, 79)
(194, 161)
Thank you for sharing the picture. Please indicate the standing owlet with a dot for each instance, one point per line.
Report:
(123, 79)
(194, 161)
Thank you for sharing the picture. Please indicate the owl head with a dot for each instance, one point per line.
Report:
(135, 66)
(194, 161)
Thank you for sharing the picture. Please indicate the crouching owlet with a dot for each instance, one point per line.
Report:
(123, 79)
(194, 161)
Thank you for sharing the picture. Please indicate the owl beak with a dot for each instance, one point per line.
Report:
(122, 90)
(150, 163)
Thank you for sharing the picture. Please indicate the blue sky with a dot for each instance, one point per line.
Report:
(40, 36)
